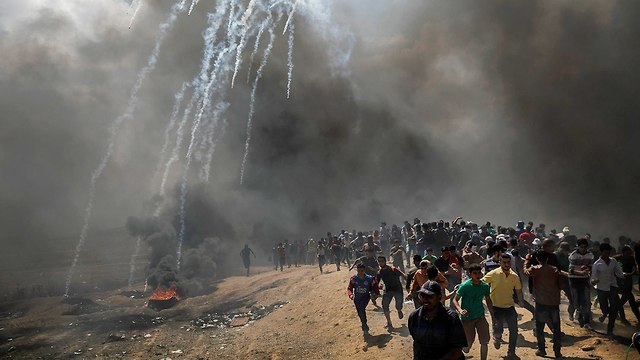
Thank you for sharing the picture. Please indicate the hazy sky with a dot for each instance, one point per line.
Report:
(489, 110)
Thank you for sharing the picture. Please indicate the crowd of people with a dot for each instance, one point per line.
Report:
(477, 270)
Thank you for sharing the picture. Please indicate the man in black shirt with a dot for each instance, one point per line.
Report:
(390, 276)
(437, 332)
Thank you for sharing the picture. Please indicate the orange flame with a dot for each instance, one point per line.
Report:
(171, 292)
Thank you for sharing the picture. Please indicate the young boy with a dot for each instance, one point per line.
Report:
(362, 288)
(471, 310)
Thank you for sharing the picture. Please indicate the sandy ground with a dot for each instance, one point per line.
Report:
(312, 319)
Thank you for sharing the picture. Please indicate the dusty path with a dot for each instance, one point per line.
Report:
(315, 321)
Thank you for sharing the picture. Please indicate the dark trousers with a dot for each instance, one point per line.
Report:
(282, 260)
(571, 308)
(627, 296)
(361, 304)
(549, 315)
(581, 296)
(510, 316)
(337, 257)
(609, 301)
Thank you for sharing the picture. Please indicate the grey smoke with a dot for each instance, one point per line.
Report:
(494, 111)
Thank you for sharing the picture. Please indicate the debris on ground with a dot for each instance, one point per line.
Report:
(232, 319)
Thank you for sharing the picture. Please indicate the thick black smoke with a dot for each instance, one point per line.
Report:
(494, 111)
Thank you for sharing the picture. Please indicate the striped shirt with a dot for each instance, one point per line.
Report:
(577, 260)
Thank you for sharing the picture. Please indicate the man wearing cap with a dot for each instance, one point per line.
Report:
(503, 282)
(360, 290)
(437, 332)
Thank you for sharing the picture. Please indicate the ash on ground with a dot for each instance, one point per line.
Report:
(225, 320)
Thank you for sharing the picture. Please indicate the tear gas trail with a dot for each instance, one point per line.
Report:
(210, 48)
(132, 262)
(293, 10)
(290, 59)
(179, 96)
(205, 99)
(176, 147)
(243, 39)
(193, 4)
(165, 27)
(256, 45)
(220, 109)
(135, 13)
(252, 102)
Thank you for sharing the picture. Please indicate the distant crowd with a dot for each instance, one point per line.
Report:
(478, 270)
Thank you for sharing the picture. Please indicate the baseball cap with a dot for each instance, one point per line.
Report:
(431, 287)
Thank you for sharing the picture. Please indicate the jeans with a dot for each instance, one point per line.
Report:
(511, 317)
(361, 303)
(549, 315)
(609, 301)
(581, 296)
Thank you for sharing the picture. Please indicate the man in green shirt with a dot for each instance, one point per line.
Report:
(471, 310)
(432, 258)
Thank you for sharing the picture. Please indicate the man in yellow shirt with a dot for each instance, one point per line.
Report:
(503, 282)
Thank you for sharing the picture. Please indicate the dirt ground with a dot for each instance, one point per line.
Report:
(294, 314)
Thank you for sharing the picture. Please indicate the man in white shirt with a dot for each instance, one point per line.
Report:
(604, 274)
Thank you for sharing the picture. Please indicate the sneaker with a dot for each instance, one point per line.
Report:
(400, 314)
(512, 355)
(497, 342)
(570, 317)
(588, 326)
(602, 318)
(465, 350)
(541, 353)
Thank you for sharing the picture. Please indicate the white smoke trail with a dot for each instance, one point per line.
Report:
(290, 57)
(176, 9)
(193, 4)
(132, 263)
(232, 9)
(256, 45)
(135, 13)
(212, 140)
(209, 51)
(167, 132)
(205, 99)
(265, 59)
(293, 10)
(176, 148)
(245, 28)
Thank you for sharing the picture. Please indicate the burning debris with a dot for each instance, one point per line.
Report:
(164, 299)
(232, 319)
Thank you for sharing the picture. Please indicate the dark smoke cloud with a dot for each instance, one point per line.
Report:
(492, 111)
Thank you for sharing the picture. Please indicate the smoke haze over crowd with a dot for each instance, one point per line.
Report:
(489, 110)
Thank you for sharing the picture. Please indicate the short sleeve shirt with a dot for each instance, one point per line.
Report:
(502, 287)
(472, 296)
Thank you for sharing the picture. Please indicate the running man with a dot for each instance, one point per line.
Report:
(471, 310)
(503, 282)
(245, 254)
(390, 276)
(362, 288)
